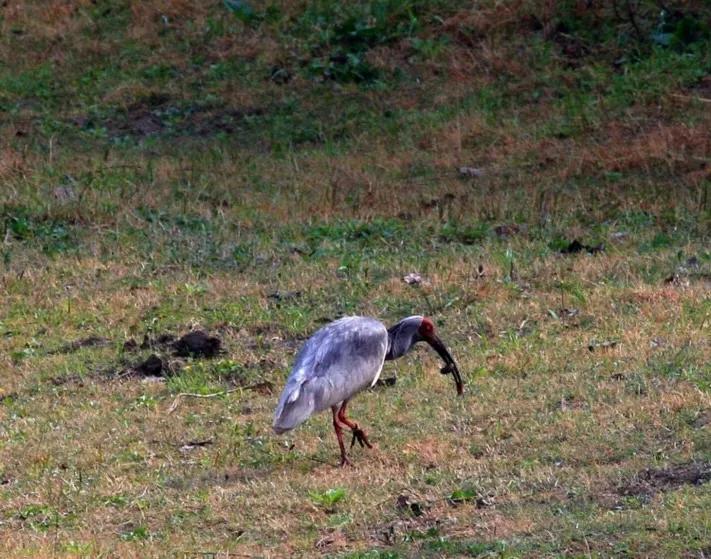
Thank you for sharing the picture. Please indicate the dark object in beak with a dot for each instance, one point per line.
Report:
(449, 365)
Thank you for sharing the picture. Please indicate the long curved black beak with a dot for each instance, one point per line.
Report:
(449, 365)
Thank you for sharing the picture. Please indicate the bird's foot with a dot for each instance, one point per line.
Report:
(360, 436)
(345, 462)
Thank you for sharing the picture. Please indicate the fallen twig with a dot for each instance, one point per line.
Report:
(691, 97)
(176, 402)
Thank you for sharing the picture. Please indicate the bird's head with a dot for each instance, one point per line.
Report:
(414, 329)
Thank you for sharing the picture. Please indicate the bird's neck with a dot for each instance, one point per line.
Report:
(397, 346)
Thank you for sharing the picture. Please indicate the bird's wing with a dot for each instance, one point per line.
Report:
(339, 360)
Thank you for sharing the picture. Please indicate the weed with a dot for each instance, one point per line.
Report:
(138, 533)
(328, 499)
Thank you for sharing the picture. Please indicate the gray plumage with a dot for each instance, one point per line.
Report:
(338, 361)
(344, 358)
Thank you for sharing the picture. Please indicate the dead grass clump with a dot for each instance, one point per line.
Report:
(49, 20)
(12, 163)
(470, 26)
(149, 19)
(673, 147)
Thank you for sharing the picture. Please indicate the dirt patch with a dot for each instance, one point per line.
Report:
(91, 341)
(61, 380)
(197, 343)
(651, 481)
(159, 115)
(222, 478)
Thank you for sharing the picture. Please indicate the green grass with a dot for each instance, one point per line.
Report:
(258, 169)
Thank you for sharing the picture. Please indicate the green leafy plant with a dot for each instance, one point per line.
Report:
(462, 495)
(328, 499)
(136, 534)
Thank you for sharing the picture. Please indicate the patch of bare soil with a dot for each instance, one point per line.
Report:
(91, 341)
(198, 344)
(651, 481)
(159, 115)
(645, 484)
(193, 344)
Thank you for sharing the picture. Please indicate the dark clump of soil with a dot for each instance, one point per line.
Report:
(197, 344)
(575, 246)
(652, 480)
(388, 381)
(151, 367)
(279, 295)
(407, 504)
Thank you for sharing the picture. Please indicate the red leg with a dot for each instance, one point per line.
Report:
(339, 435)
(358, 433)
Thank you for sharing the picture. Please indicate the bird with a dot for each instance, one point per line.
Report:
(344, 358)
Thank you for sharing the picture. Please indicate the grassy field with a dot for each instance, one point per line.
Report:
(255, 170)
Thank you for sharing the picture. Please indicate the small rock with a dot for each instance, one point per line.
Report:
(413, 278)
(471, 172)
(568, 313)
(608, 344)
(195, 444)
(484, 501)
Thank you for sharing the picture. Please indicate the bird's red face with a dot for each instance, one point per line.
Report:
(427, 332)
(427, 329)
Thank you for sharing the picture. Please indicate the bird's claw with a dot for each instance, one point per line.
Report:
(356, 438)
(360, 436)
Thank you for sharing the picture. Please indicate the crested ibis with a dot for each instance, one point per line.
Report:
(343, 358)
